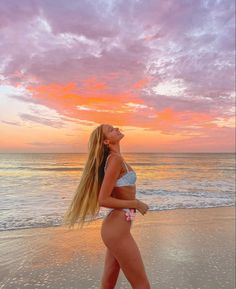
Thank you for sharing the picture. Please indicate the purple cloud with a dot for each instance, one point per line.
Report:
(47, 42)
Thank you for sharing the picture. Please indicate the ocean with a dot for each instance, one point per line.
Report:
(36, 188)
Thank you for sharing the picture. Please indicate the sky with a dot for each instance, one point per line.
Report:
(161, 71)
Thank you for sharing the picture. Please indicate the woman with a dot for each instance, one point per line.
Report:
(108, 181)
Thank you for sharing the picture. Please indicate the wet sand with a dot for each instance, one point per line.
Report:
(184, 249)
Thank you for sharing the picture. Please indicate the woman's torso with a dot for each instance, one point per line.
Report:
(115, 218)
(125, 192)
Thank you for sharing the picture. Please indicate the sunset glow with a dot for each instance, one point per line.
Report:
(162, 71)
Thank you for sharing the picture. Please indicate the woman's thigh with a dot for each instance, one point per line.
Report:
(111, 268)
(128, 255)
(116, 236)
(115, 226)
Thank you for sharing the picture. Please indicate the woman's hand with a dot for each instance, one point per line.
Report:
(142, 207)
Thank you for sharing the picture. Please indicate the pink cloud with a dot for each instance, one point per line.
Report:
(83, 64)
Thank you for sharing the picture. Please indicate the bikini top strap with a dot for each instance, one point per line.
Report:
(126, 166)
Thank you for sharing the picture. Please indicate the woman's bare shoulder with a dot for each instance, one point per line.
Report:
(115, 158)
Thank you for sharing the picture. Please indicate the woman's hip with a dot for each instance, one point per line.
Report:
(116, 224)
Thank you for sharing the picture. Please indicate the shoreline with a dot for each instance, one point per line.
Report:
(101, 218)
(181, 248)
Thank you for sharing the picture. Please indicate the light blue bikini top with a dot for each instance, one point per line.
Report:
(127, 179)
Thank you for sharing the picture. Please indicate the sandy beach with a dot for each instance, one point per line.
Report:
(183, 248)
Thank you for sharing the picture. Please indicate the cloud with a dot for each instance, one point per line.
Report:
(10, 122)
(41, 120)
(173, 60)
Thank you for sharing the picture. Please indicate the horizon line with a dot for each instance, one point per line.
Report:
(204, 152)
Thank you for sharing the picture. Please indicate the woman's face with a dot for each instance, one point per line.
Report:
(112, 134)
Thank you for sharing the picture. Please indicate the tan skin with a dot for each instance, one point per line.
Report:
(122, 250)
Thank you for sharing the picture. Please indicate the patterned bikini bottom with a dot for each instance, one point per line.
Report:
(129, 213)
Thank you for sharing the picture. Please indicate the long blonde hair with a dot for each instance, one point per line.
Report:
(85, 199)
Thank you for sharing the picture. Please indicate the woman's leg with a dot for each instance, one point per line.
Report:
(116, 236)
(128, 255)
(110, 272)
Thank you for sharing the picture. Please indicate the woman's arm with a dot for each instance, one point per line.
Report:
(111, 175)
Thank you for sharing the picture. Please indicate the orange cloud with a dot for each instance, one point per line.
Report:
(93, 84)
(92, 101)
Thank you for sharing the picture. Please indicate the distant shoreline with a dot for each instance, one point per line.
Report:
(101, 218)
